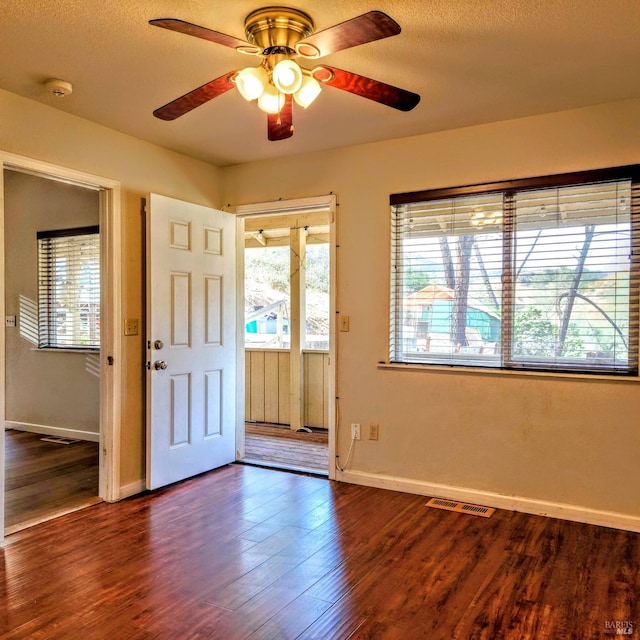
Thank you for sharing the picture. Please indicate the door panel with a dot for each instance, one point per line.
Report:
(191, 340)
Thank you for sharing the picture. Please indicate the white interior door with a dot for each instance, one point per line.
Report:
(191, 341)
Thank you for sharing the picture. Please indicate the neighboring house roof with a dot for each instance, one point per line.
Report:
(432, 292)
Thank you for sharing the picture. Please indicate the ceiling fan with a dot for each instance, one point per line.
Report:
(279, 35)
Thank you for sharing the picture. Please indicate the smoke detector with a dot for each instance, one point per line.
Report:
(59, 88)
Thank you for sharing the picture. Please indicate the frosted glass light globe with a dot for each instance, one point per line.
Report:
(271, 100)
(287, 76)
(251, 82)
(308, 92)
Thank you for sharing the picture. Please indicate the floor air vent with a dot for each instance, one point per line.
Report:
(461, 507)
(59, 440)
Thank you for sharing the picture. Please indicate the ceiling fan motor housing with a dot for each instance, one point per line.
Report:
(278, 28)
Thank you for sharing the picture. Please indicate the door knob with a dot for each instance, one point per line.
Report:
(159, 364)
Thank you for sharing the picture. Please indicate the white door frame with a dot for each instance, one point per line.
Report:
(280, 207)
(110, 338)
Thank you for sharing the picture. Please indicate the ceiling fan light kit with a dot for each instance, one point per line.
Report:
(278, 35)
(286, 78)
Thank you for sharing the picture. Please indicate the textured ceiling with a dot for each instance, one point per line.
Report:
(472, 61)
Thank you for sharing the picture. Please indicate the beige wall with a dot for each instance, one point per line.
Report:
(43, 388)
(563, 440)
(31, 129)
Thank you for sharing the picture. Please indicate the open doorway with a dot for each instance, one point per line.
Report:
(287, 326)
(52, 347)
(59, 279)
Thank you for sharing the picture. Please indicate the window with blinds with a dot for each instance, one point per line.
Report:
(69, 288)
(538, 274)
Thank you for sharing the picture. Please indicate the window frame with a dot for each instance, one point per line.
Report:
(47, 339)
(509, 189)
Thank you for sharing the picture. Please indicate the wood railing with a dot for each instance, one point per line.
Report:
(267, 386)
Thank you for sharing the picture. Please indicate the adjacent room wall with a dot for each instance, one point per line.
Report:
(541, 439)
(34, 130)
(46, 392)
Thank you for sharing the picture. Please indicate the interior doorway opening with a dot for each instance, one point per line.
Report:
(52, 347)
(95, 316)
(288, 338)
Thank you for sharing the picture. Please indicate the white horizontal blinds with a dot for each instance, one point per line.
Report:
(69, 288)
(539, 274)
(396, 319)
(634, 279)
(446, 280)
(573, 278)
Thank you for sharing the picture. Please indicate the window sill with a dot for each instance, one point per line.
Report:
(488, 371)
(69, 350)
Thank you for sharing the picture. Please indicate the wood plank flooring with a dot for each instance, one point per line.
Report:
(278, 444)
(252, 553)
(44, 479)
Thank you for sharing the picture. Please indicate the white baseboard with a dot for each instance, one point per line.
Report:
(46, 430)
(132, 489)
(489, 499)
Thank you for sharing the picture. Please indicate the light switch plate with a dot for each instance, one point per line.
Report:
(131, 327)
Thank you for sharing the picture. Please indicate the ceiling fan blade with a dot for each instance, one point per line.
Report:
(280, 125)
(368, 27)
(195, 98)
(366, 87)
(173, 24)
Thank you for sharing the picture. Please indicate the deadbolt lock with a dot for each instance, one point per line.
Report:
(158, 344)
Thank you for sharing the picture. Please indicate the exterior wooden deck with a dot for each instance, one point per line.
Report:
(278, 446)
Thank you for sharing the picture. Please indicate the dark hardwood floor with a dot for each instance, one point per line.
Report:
(247, 552)
(44, 479)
